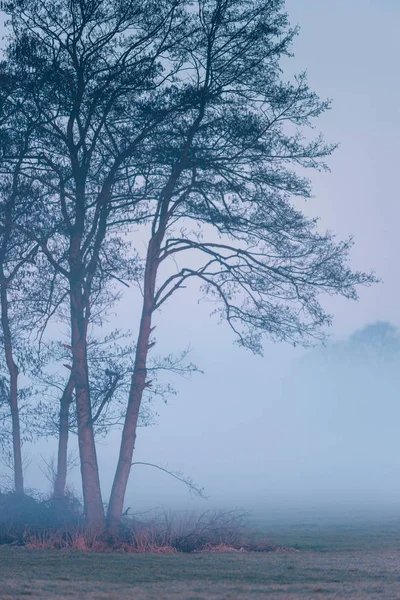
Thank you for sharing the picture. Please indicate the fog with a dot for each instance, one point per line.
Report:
(294, 430)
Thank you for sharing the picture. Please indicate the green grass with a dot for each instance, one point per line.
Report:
(328, 537)
(334, 562)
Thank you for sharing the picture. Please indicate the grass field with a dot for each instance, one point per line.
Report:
(333, 562)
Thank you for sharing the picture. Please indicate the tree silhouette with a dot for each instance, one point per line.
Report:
(171, 118)
(219, 192)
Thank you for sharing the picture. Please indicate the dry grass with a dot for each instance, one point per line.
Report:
(347, 564)
(220, 531)
(40, 523)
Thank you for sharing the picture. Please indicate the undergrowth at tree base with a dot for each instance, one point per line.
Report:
(36, 523)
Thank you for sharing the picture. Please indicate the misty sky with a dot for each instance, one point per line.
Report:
(236, 430)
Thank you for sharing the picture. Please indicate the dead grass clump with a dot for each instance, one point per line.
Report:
(158, 533)
(211, 529)
(262, 546)
(221, 548)
(85, 542)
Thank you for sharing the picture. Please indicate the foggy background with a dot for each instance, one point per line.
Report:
(274, 433)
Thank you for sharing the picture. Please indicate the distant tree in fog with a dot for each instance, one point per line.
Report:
(381, 339)
(343, 404)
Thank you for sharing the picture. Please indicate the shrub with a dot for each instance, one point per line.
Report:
(34, 514)
(44, 523)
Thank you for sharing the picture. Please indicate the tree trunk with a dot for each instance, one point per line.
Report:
(13, 398)
(63, 431)
(138, 384)
(16, 433)
(93, 505)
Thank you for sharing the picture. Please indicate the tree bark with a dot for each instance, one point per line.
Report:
(93, 504)
(63, 431)
(13, 397)
(138, 384)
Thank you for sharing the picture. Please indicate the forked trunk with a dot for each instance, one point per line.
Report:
(63, 431)
(13, 393)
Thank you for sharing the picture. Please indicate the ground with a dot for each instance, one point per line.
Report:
(351, 562)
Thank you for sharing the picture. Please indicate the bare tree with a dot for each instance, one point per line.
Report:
(17, 253)
(172, 116)
(28, 294)
(219, 193)
(97, 90)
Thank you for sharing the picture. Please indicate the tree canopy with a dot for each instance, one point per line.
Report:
(170, 122)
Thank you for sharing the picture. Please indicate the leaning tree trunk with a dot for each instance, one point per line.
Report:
(63, 431)
(138, 384)
(93, 504)
(13, 397)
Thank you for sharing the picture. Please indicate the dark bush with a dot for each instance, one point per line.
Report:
(32, 513)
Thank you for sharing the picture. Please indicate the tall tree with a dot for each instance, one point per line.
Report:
(220, 191)
(28, 294)
(17, 254)
(173, 116)
(97, 88)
